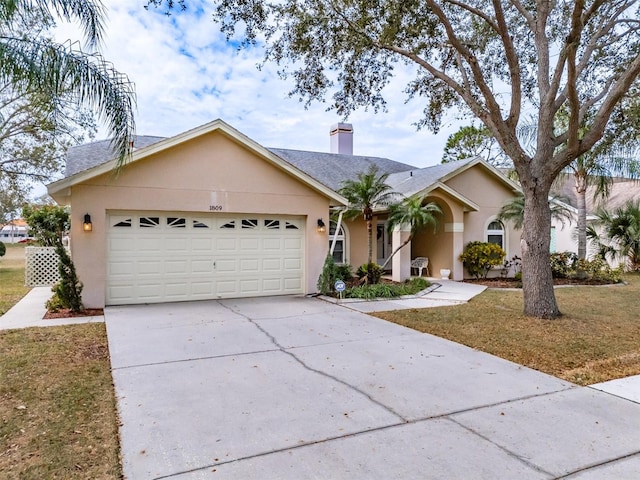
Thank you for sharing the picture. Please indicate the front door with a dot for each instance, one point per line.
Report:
(383, 243)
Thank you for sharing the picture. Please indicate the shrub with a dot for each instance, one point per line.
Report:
(54, 304)
(563, 264)
(372, 271)
(3, 249)
(328, 276)
(387, 290)
(599, 269)
(343, 272)
(479, 257)
(69, 289)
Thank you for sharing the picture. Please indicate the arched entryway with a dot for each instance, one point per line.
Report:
(436, 246)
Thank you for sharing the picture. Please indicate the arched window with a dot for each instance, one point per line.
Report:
(495, 233)
(340, 250)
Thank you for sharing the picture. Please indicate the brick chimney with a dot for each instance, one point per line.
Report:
(341, 135)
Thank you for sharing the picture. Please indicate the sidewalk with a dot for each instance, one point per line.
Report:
(29, 311)
(441, 293)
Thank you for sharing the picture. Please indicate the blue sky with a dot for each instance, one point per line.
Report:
(187, 75)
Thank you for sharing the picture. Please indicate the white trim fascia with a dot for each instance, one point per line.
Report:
(219, 125)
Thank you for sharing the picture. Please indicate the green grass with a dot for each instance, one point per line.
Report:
(12, 287)
(597, 338)
(57, 405)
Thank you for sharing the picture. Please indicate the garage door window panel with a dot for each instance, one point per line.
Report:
(228, 225)
(149, 222)
(176, 222)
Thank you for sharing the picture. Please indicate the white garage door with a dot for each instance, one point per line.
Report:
(167, 257)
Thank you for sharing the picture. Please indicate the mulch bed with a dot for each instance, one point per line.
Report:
(66, 313)
(513, 283)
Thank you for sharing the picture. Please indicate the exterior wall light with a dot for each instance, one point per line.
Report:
(321, 226)
(87, 226)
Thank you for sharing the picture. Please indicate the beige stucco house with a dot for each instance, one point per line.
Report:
(212, 214)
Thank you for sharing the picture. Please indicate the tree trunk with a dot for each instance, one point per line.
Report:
(370, 238)
(581, 203)
(397, 250)
(537, 282)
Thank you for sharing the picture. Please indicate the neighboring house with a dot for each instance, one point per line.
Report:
(563, 237)
(212, 214)
(14, 231)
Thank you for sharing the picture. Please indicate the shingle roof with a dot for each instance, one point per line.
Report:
(332, 169)
(409, 182)
(89, 155)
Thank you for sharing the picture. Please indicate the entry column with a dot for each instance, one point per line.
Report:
(401, 262)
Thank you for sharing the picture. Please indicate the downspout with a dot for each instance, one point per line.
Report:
(337, 230)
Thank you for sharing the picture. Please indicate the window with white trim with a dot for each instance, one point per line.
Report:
(495, 233)
(340, 249)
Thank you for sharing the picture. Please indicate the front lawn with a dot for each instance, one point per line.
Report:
(57, 406)
(12, 287)
(597, 339)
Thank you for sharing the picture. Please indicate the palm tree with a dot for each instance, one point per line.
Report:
(369, 190)
(513, 211)
(596, 169)
(65, 72)
(620, 238)
(412, 212)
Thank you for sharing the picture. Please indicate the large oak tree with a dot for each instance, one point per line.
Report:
(495, 59)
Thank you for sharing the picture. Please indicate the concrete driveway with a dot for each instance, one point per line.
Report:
(297, 388)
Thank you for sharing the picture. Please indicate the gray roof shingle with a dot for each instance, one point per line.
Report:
(89, 155)
(409, 182)
(332, 169)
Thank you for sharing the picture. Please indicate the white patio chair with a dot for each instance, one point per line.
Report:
(419, 263)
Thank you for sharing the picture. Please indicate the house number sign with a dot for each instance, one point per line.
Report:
(217, 201)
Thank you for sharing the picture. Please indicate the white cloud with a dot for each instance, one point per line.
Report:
(186, 75)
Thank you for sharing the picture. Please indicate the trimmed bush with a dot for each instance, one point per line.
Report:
(563, 264)
(599, 269)
(480, 257)
(68, 291)
(328, 276)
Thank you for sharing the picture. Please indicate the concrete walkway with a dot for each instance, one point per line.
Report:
(29, 311)
(442, 293)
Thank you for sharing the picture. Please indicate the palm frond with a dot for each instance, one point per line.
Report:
(64, 70)
(89, 14)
